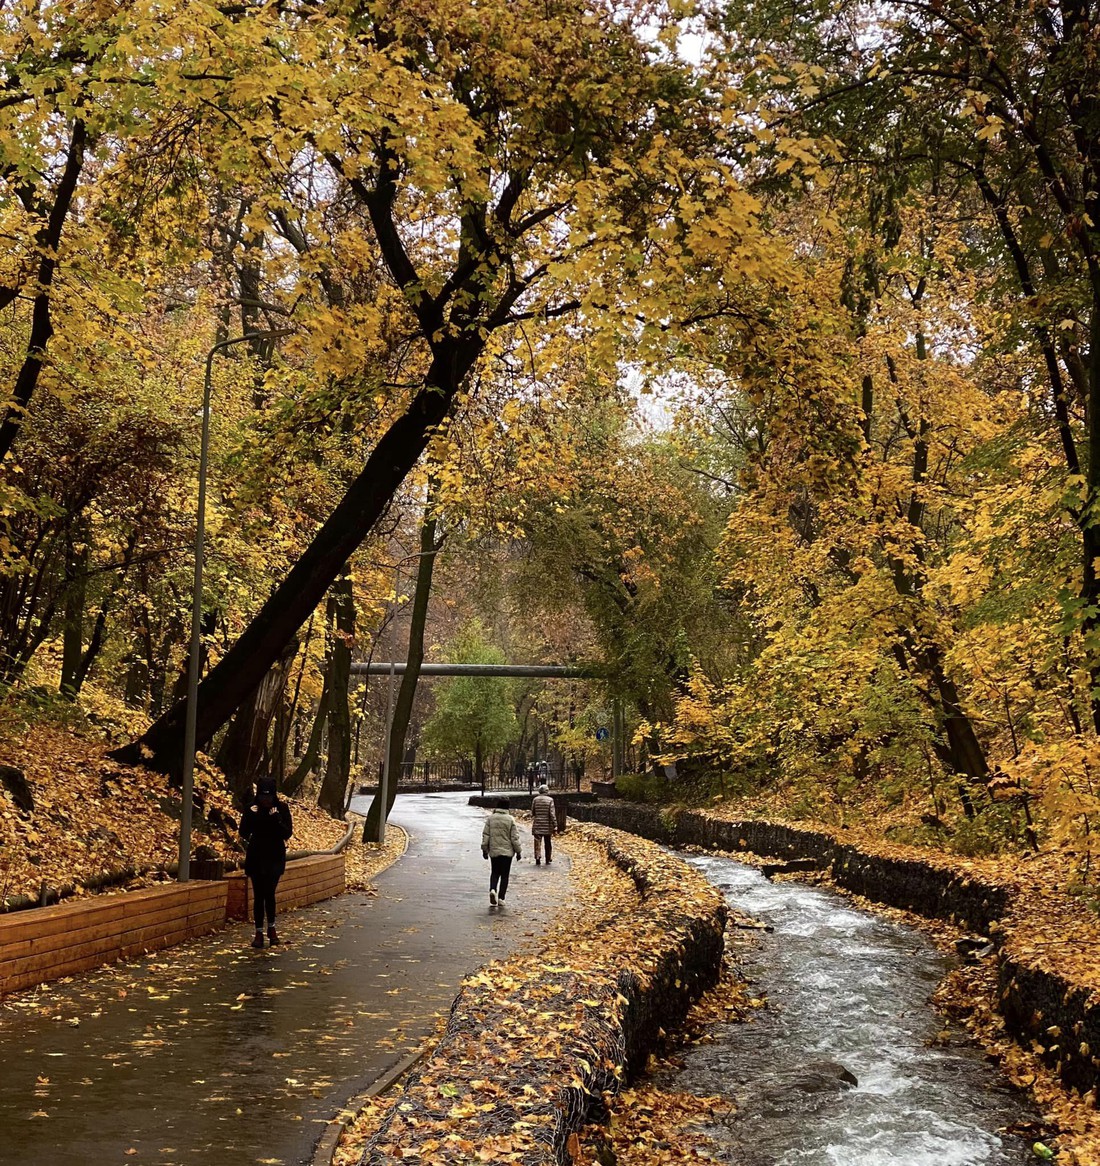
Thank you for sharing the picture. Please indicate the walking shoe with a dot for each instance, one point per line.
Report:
(258, 939)
(273, 936)
(492, 898)
(500, 901)
(538, 861)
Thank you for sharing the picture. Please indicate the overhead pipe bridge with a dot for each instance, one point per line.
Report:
(394, 668)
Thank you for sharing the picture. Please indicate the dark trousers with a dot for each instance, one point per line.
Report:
(498, 877)
(264, 883)
(539, 839)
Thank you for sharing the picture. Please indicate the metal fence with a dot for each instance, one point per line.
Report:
(421, 773)
(558, 774)
(436, 773)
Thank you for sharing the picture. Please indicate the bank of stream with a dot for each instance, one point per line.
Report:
(847, 1064)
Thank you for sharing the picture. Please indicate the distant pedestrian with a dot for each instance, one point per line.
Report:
(499, 844)
(266, 826)
(544, 821)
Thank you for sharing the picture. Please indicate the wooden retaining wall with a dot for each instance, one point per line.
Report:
(48, 943)
(51, 942)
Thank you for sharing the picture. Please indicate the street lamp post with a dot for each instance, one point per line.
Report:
(384, 784)
(191, 722)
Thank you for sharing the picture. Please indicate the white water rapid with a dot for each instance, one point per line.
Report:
(846, 991)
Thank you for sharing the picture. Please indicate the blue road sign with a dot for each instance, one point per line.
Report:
(602, 734)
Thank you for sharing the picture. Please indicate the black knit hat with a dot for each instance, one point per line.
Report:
(267, 785)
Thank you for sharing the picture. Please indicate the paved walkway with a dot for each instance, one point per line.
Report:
(217, 1054)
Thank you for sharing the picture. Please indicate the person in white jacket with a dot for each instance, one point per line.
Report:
(499, 844)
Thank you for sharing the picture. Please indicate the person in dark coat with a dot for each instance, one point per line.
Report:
(265, 827)
(544, 821)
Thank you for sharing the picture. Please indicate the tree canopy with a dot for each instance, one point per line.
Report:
(742, 349)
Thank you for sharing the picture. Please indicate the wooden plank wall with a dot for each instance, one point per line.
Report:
(48, 943)
(307, 880)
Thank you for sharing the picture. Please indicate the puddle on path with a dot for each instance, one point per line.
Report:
(847, 991)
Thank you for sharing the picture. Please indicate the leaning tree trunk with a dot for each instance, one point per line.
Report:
(338, 768)
(414, 657)
(48, 241)
(963, 752)
(242, 668)
(244, 755)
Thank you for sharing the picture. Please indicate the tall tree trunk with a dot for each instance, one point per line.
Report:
(242, 668)
(1090, 524)
(414, 657)
(136, 685)
(964, 752)
(72, 627)
(99, 625)
(334, 788)
(316, 735)
(159, 661)
(287, 717)
(244, 755)
(279, 730)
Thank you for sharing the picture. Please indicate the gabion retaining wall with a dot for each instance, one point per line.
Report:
(1039, 1003)
(503, 1085)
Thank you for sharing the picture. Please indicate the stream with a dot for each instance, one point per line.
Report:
(847, 1000)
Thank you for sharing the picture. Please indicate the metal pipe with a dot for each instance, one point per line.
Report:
(394, 668)
(559, 671)
(191, 720)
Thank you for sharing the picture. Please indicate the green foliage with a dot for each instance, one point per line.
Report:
(632, 542)
(994, 829)
(474, 715)
(645, 787)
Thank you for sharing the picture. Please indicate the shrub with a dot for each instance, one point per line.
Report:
(645, 787)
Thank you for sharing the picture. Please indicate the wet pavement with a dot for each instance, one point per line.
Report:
(217, 1054)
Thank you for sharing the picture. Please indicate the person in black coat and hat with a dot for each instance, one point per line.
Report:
(266, 826)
